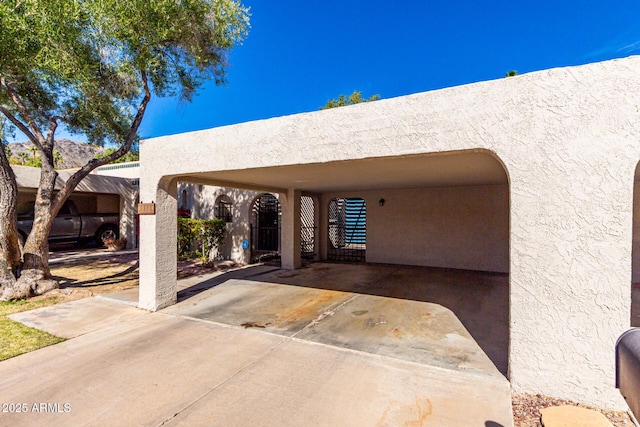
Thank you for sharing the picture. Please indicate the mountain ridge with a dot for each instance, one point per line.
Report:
(74, 154)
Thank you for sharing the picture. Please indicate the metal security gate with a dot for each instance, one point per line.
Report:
(307, 228)
(347, 230)
(265, 227)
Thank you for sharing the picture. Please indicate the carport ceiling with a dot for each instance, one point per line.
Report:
(414, 171)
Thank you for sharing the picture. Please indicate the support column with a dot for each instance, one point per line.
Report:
(158, 255)
(128, 211)
(318, 229)
(290, 230)
(323, 227)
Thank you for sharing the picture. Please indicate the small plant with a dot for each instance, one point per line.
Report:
(115, 244)
(200, 238)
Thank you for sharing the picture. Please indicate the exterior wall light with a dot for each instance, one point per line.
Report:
(381, 202)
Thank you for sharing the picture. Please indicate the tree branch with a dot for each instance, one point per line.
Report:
(13, 119)
(92, 164)
(53, 125)
(22, 108)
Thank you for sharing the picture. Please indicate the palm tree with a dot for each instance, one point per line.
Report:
(57, 158)
(23, 158)
(33, 150)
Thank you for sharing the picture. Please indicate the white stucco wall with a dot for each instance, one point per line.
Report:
(568, 138)
(451, 227)
(201, 201)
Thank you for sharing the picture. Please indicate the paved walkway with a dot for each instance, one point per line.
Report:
(305, 356)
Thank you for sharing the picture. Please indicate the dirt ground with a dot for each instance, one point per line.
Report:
(526, 410)
(83, 278)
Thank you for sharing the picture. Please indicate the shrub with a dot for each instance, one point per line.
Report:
(200, 237)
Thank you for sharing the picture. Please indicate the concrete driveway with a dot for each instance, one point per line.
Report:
(327, 345)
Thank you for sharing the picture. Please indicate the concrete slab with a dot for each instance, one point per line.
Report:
(448, 318)
(414, 331)
(277, 308)
(140, 372)
(305, 384)
(332, 352)
(159, 369)
(79, 317)
(480, 301)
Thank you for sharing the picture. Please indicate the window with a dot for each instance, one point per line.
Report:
(223, 208)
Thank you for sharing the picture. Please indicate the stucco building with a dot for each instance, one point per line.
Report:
(531, 176)
(94, 194)
(253, 217)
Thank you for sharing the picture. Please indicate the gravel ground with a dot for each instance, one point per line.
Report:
(526, 410)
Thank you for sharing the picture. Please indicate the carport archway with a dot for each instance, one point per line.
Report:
(448, 224)
(443, 216)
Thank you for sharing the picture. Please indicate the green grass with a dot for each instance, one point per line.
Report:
(16, 338)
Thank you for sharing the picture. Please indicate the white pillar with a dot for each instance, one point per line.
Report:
(128, 210)
(158, 254)
(323, 226)
(290, 230)
(318, 229)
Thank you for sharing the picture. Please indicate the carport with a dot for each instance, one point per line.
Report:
(505, 177)
(447, 211)
(94, 194)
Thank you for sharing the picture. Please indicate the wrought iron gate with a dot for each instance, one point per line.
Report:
(347, 230)
(265, 227)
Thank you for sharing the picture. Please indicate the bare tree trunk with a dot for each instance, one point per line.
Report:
(35, 276)
(10, 259)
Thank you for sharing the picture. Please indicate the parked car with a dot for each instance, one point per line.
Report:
(71, 226)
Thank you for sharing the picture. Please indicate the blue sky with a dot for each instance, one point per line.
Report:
(299, 53)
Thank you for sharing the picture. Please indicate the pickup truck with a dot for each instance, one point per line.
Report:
(70, 226)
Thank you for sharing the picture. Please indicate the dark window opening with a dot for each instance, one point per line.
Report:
(223, 209)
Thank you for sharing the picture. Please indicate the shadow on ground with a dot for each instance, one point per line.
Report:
(479, 300)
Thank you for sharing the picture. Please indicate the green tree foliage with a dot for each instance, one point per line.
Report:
(200, 238)
(93, 66)
(511, 73)
(355, 98)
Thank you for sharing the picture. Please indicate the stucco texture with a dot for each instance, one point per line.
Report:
(568, 140)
